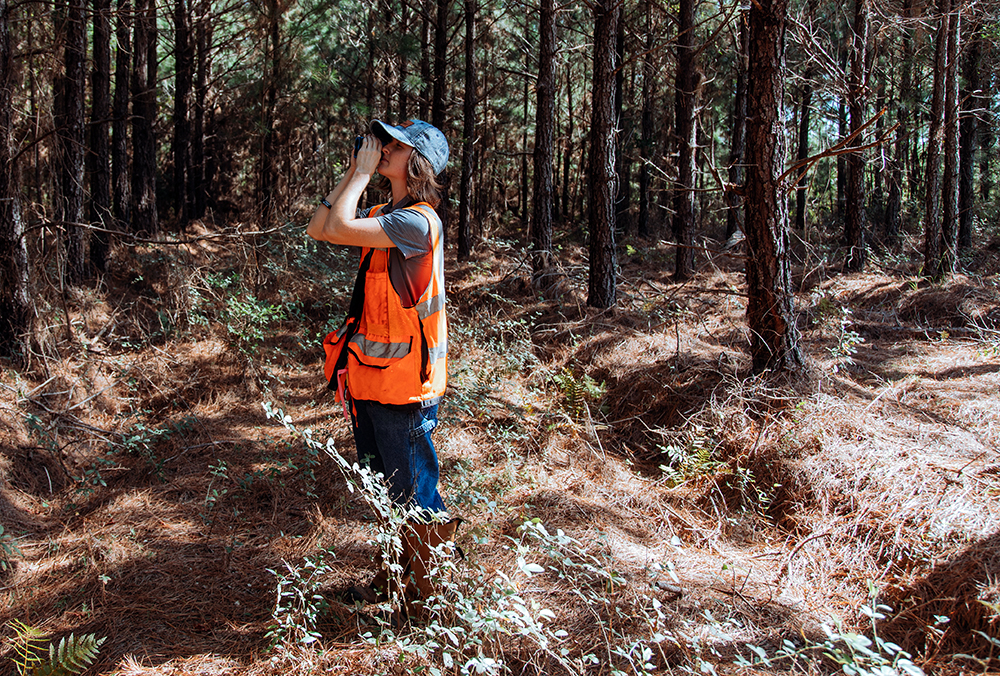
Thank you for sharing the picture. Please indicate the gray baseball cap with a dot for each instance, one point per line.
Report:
(426, 138)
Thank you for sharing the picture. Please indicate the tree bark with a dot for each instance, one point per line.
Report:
(855, 221)
(687, 84)
(805, 107)
(842, 133)
(15, 304)
(541, 216)
(602, 291)
(267, 162)
(935, 140)
(522, 196)
(425, 65)
(646, 141)
(541, 220)
(623, 203)
(904, 103)
(567, 205)
(986, 140)
(774, 343)
(404, 20)
(120, 186)
(99, 157)
(621, 171)
(183, 83)
(950, 180)
(71, 136)
(737, 147)
(468, 134)
(198, 190)
(968, 135)
(144, 213)
(439, 105)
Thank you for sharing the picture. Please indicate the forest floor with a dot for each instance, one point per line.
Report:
(694, 516)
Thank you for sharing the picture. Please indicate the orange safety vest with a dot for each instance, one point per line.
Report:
(398, 355)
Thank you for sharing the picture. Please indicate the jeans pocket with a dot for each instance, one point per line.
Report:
(421, 424)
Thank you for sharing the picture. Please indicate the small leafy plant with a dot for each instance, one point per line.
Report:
(847, 341)
(855, 653)
(8, 549)
(299, 603)
(247, 319)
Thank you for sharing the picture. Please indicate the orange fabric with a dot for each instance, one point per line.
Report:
(398, 355)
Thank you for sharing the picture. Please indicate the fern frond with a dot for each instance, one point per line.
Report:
(578, 391)
(24, 637)
(71, 656)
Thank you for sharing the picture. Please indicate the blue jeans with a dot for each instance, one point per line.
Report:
(396, 442)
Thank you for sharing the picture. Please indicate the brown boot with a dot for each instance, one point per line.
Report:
(420, 540)
(375, 591)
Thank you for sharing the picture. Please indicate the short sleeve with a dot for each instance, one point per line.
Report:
(409, 231)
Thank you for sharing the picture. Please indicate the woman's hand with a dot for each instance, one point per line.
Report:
(368, 156)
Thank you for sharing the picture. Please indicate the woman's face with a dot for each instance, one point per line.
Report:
(395, 159)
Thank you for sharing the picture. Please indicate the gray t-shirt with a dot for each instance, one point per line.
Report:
(407, 228)
(411, 261)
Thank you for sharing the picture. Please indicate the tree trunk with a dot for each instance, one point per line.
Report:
(876, 201)
(120, 185)
(805, 107)
(986, 140)
(392, 84)
(950, 180)
(567, 206)
(842, 133)
(688, 84)
(773, 335)
(468, 133)
(908, 96)
(646, 141)
(623, 205)
(904, 103)
(183, 82)
(198, 190)
(602, 279)
(621, 187)
(855, 219)
(935, 140)
(425, 65)
(439, 105)
(15, 304)
(267, 162)
(99, 157)
(71, 136)
(968, 134)
(737, 148)
(541, 217)
(404, 20)
(371, 18)
(144, 214)
(522, 196)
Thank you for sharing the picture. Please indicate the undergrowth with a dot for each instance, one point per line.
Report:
(489, 621)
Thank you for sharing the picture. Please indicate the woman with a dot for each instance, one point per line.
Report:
(395, 370)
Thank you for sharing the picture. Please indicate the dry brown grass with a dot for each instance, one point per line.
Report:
(785, 502)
